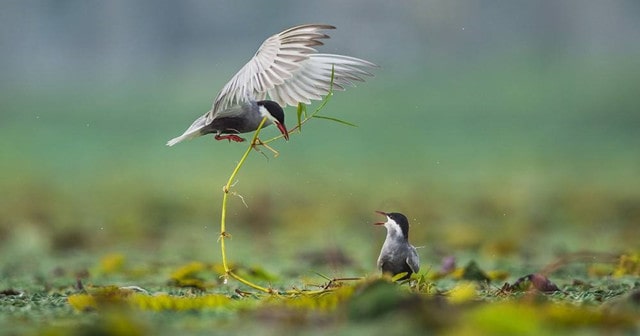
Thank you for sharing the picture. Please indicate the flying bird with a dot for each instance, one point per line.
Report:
(288, 69)
(397, 255)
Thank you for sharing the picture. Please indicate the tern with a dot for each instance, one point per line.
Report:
(288, 69)
(397, 255)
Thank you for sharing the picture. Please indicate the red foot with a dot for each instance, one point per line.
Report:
(229, 137)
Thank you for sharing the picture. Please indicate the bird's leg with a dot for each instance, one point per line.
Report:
(259, 142)
(229, 137)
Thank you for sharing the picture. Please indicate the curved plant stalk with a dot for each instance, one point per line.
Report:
(256, 142)
(223, 215)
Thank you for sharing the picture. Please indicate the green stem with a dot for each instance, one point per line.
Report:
(225, 196)
(223, 216)
(223, 232)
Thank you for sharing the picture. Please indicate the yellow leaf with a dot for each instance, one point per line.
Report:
(600, 270)
(399, 276)
(457, 273)
(82, 302)
(629, 264)
(166, 302)
(463, 292)
(188, 271)
(498, 275)
(111, 263)
(506, 318)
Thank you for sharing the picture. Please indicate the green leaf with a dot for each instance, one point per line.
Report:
(336, 120)
(399, 276)
(473, 272)
(302, 109)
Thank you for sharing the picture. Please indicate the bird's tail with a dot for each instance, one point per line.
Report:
(180, 139)
(193, 131)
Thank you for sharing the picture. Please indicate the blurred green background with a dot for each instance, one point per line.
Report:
(498, 129)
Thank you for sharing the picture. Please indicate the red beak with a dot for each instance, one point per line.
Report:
(382, 213)
(283, 130)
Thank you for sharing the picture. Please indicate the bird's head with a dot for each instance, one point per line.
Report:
(396, 222)
(274, 114)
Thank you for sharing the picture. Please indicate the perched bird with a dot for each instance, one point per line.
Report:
(397, 255)
(289, 70)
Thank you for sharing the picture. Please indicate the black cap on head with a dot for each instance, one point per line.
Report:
(402, 221)
(276, 111)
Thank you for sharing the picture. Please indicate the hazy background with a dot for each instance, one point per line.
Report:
(499, 128)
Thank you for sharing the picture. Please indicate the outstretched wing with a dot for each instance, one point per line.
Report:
(288, 69)
(277, 59)
(312, 81)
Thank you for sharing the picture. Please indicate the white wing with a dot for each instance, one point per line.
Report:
(287, 67)
(312, 81)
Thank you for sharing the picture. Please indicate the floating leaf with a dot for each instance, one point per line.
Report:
(505, 318)
(572, 316)
(109, 296)
(256, 273)
(189, 270)
(113, 322)
(111, 263)
(497, 275)
(98, 297)
(164, 302)
(82, 302)
(465, 291)
(190, 275)
(473, 272)
(325, 302)
(374, 299)
(628, 264)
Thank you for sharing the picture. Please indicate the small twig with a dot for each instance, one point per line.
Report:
(334, 280)
(255, 147)
(263, 144)
(241, 198)
(331, 281)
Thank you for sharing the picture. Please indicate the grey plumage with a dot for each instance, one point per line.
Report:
(397, 254)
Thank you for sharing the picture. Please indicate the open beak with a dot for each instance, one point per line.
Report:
(382, 213)
(283, 130)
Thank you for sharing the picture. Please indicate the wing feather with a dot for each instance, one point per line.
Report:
(413, 260)
(313, 79)
(288, 68)
(282, 52)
